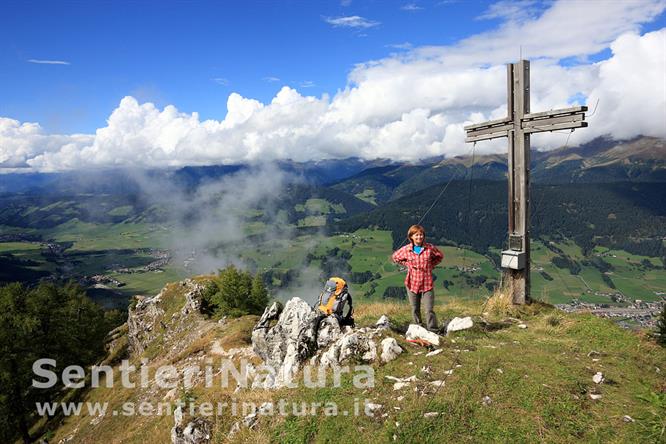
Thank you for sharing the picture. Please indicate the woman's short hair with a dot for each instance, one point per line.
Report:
(415, 229)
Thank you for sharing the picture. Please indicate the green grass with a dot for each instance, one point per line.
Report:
(595, 299)
(99, 262)
(149, 283)
(312, 221)
(28, 251)
(251, 228)
(89, 236)
(368, 195)
(593, 278)
(281, 254)
(97, 247)
(124, 210)
(319, 206)
(570, 249)
(541, 394)
(538, 381)
(18, 247)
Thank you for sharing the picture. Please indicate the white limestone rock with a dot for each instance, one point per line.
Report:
(417, 332)
(383, 322)
(372, 407)
(356, 345)
(412, 378)
(329, 331)
(196, 431)
(598, 378)
(400, 385)
(390, 349)
(458, 324)
(292, 340)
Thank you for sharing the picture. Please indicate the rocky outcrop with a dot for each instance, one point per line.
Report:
(329, 332)
(193, 297)
(142, 320)
(196, 431)
(285, 338)
(352, 345)
(147, 319)
(290, 341)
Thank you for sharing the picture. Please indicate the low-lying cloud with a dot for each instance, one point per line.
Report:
(409, 106)
(209, 224)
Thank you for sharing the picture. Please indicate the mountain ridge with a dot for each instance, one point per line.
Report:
(600, 160)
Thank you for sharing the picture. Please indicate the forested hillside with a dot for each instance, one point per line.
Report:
(631, 216)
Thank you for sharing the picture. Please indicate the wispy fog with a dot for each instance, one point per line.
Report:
(209, 225)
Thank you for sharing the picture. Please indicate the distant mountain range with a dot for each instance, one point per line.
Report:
(602, 160)
(127, 181)
(601, 194)
(599, 161)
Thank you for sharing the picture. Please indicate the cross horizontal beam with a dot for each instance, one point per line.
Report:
(491, 129)
(558, 119)
(496, 135)
(553, 120)
(489, 133)
(555, 112)
(487, 124)
(565, 118)
(559, 126)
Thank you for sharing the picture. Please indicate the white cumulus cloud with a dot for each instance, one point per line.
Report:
(351, 21)
(631, 88)
(407, 106)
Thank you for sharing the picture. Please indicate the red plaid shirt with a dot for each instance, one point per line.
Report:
(419, 266)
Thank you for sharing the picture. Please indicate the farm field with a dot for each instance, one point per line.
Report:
(465, 274)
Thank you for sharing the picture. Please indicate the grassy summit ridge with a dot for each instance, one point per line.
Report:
(513, 384)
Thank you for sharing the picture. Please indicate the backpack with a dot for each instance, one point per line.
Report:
(335, 300)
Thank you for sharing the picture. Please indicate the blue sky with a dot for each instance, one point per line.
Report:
(193, 54)
(386, 78)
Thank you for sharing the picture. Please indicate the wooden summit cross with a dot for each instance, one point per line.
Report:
(518, 126)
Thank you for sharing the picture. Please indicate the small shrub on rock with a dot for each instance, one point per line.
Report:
(234, 293)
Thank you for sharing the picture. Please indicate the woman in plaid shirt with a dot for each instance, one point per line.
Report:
(420, 258)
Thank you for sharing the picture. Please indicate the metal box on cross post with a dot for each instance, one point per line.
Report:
(514, 257)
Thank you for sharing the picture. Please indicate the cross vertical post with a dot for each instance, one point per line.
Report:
(517, 127)
(518, 97)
